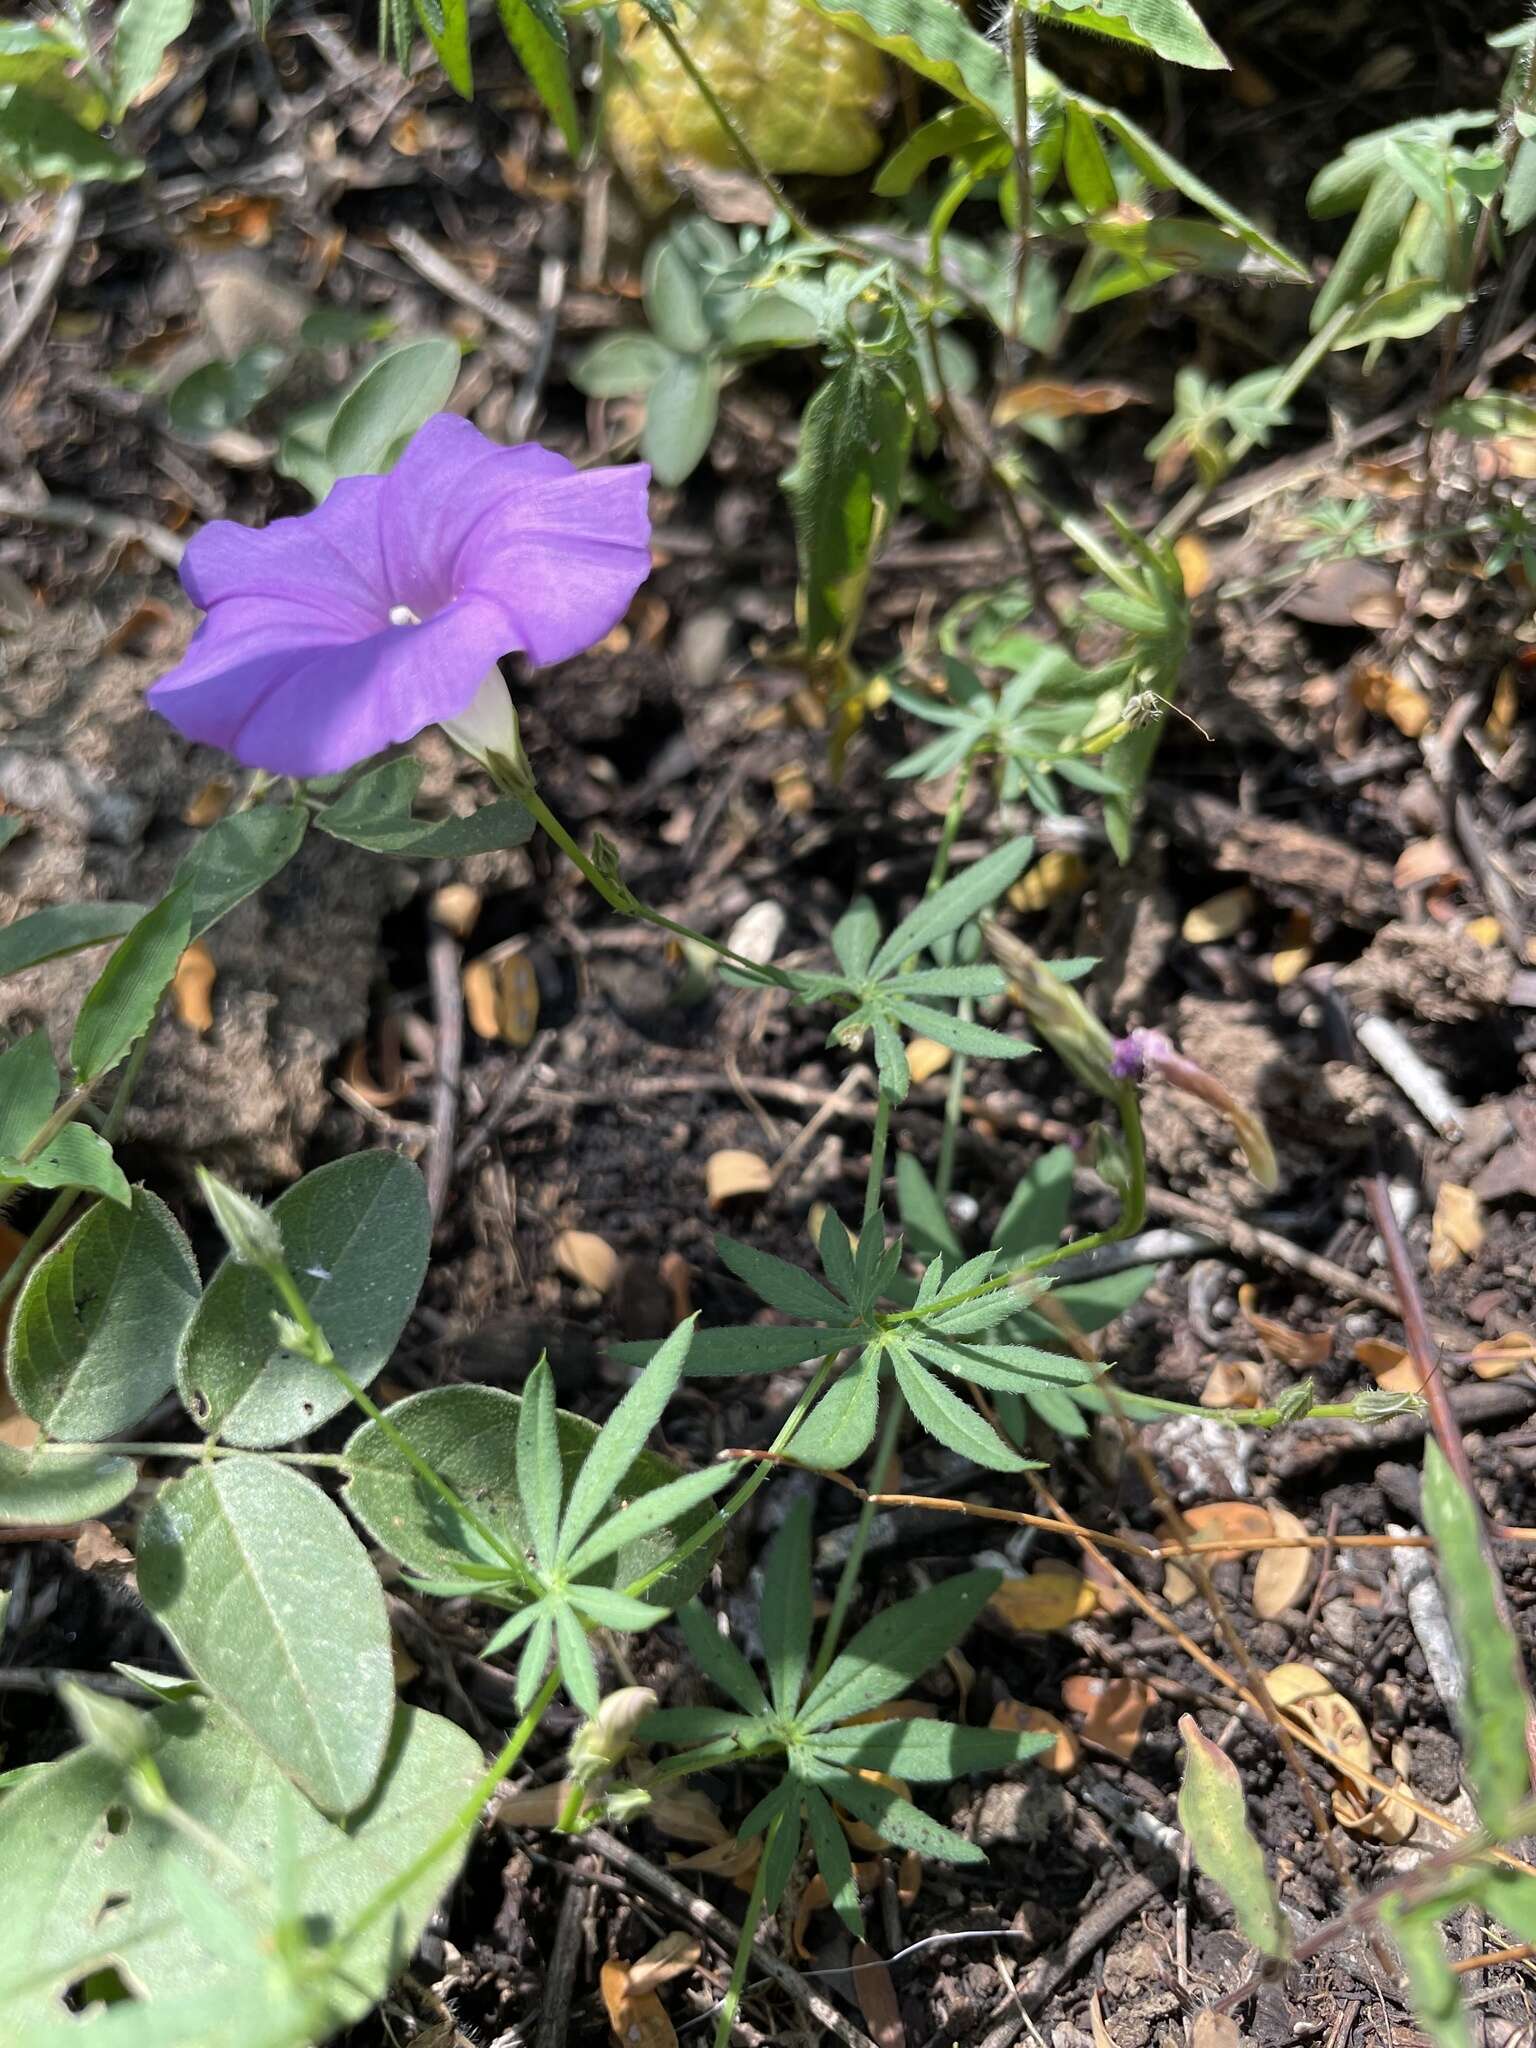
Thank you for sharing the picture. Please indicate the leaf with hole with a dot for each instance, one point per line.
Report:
(355, 1235)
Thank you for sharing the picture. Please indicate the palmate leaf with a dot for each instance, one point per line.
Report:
(786, 1607)
(954, 1422)
(897, 1647)
(926, 1752)
(972, 891)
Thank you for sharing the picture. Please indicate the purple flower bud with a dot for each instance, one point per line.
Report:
(334, 635)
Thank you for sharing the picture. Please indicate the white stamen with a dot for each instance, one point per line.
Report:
(402, 615)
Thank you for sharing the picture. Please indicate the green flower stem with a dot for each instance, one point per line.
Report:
(484, 1788)
(1133, 1214)
(879, 1139)
(318, 1350)
(738, 1500)
(618, 897)
(726, 2023)
(853, 1563)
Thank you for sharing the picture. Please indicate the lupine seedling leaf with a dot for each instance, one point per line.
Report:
(1437, 1999)
(821, 1758)
(1495, 1703)
(1214, 1815)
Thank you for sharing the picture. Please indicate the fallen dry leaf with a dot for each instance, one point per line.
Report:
(501, 996)
(1194, 560)
(96, 1548)
(1215, 2030)
(1393, 697)
(1484, 932)
(1113, 1710)
(793, 790)
(1307, 1695)
(638, 2020)
(673, 1956)
(730, 1176)
(1497, 1356)
(210, 803)
(1293, 955)
(1350, 592)
(1504, 711)
(1292, 1347)
(1235, 1383)
(926, 1057)
(1102, 2037)
(1222, 1528)
(586, 1258)
(1282, 1577)
(1389, 1366)
(1457, 1229)
(1218, 917)
(1065, 1751)
(1052, 1596)
(1424, 862)
(456, 907)
(1056, 877)
(392, 1084)
(192, 988)
(1053, 401)
(876, 1994)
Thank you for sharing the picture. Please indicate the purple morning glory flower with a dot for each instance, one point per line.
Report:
(339, 633)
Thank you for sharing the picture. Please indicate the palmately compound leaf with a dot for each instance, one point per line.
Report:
(897, 1647)
(468, 1435)
(355, 1234)
(95, 1333)
(622, 1439)
(786, 1607)
(271, 1600)
(1214, 1816)
(1495, 1704)
(90, 1881)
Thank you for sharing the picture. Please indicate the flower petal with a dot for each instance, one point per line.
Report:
(318, 708)
(563, 558)
(449, 477)
(329, 559)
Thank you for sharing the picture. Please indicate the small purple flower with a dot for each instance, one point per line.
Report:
(1136, 1051)
(339, 633)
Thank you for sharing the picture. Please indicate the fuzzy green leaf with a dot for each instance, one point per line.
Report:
(954, 1422)
(230, 1561)
(121, 1006)
(1494, 1707)
(1214, 1816)
(95, 1333)
(972, 891)
(57, 1486)
(786, 1607)
(898, 1646)
(398, 393)
(376, 813)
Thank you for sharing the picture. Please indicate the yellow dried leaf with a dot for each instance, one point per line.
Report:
(1426, 861)
(1235, 1383)
(1393, 697)
(1504, 711)
(1222, 1527)
(805, 94)
(501, 995)
(1052, 1596)
(730, 1176)
(1113, 1710)
(1495, 1357)
(1389, 1821)
(1293, 955)
(1282, 1577)
(793, 790)
(586, 1258)
(1307, 1695)
(1301, 1348)
(1065, 1751)
(926, 1057)
(1046, 400)
(1194, 560)
(673, 1956)
(456, 906)
(638, 2020)
(1219, 917)
(192, 988)
(210, 803)
(1056, 877)
(1457, 1229)
(1484, 932)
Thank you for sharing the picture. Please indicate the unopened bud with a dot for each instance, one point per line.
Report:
(249, 1230)
(1296, 1402)
(601, 1744)
(1057, 1012)
(1379, 1404)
